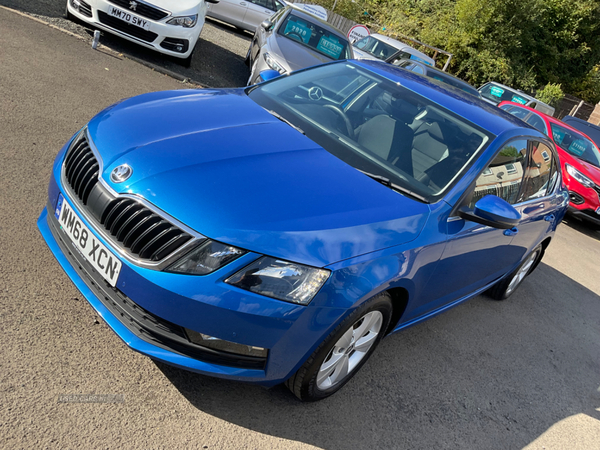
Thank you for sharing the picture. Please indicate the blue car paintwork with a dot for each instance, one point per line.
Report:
(196, 153)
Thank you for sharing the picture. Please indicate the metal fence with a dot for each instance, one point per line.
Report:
(340, 22)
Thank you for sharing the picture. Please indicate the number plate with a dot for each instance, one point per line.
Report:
(128, 17)
(598, 210)
(96, 253)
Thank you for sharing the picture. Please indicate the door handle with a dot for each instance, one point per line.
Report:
(243, 3)
(549, 218)
(511, 232)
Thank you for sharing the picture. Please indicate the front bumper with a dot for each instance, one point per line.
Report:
(160, 36)
(148, 309)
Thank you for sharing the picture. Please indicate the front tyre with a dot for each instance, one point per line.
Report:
(344, 351)
(505, 287)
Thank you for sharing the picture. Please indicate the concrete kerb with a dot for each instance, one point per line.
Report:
(159, 69)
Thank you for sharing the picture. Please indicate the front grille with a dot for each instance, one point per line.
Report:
(575, 198)
(81, 168)
(141, 231)
(142, 323)
(133, 226)
(597, 189)
(126, 28)
(85, 8)
(141, 9)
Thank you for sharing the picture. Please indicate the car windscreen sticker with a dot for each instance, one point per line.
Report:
(517, 99)
(577, 147)
(330, 45)
(296, 28)
(558, 135)
(416, 58)
(496, 91)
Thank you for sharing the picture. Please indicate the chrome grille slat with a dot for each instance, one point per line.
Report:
(135, 229)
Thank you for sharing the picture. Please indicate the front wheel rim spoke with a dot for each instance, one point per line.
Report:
(364, 343)
(340, 371)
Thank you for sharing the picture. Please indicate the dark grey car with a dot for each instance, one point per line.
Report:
(293, 39)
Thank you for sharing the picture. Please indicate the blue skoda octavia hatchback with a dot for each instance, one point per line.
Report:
(277, 233)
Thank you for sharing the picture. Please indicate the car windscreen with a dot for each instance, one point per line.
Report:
(591, 131)
(315, 37)
(375, 47)
(576, 144)
(499, 94)
(376, 126)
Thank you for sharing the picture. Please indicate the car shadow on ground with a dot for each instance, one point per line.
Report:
(583, 227)
(485, 374)
(212, 65)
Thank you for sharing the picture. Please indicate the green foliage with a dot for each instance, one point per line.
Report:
(511, 152)
(551, 94)
(522, 43)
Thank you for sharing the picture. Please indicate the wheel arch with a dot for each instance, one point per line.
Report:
(399, 297)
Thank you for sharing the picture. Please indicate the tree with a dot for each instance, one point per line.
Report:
(522, 43)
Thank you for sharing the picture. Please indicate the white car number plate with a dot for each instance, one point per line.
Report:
(128, 17)
(96, 253)
(598, 210)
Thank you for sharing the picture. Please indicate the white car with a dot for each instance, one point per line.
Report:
(378, 46)
(171, 27)
(245, 14)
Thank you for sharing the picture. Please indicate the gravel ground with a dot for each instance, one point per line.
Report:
(217, 62)
(485, 375)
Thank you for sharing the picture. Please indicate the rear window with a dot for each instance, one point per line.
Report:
(315, 37)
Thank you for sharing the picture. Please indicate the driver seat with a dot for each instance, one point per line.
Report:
(388, 139)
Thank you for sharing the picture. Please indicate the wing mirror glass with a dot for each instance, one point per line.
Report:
(266, 24)
(492, 211)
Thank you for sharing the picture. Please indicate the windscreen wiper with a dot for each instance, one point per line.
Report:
(396, 187)
(283, 119)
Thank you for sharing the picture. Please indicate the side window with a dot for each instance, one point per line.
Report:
(504, 175)
(536, 122)
(540, 174)
(506, 107)
(519, 112)
(263, 3)
(278, 5)
(418, 69)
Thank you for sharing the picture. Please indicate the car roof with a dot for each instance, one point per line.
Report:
(298, 11)
(472, 108)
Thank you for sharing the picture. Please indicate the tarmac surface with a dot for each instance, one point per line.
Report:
(524, 373)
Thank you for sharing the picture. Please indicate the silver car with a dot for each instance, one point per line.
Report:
(245, 14)
(293, 39)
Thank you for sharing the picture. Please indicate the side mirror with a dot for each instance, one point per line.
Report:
(266, 24)
(353, 41)
(492, 211)
(267, 75)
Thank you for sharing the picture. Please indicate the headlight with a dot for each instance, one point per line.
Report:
(184, 21)
(579, 176)
(273, 64)
(205, 259)
(283, 280)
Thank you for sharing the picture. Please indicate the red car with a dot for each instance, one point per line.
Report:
(579, 156)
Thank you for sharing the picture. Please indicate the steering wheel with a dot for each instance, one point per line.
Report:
(294, 36)
(342, 114)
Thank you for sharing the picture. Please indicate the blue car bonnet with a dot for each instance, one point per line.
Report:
(227, 168)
